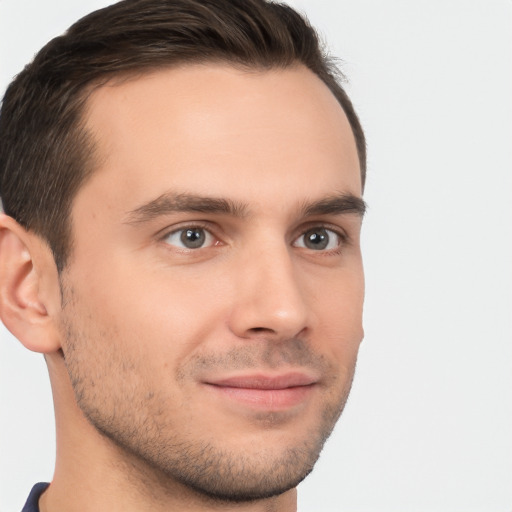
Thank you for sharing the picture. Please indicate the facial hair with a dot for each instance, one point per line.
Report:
(113, 392)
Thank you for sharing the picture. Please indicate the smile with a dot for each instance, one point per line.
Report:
(271, 393)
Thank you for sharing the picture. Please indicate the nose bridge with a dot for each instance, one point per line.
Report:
(269, 295)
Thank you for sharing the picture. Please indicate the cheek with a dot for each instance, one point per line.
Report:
(338, 296)
(339, 311)
(158, 315)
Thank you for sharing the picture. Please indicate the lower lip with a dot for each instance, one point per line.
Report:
(268, 399)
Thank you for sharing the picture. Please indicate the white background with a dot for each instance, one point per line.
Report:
(428, 427)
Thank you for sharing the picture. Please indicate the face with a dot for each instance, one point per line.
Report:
(212, 304)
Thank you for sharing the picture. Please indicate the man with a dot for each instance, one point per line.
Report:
(182, 187)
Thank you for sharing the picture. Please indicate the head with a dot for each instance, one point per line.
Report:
(193, 171)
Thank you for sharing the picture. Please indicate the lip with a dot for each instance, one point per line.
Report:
(266, 382)
(268, 392)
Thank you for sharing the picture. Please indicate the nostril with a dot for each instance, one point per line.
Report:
(260, 329)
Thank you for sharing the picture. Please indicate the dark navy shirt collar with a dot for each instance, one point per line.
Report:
(32, 504)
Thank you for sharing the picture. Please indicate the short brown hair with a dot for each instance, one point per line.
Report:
(46, 153)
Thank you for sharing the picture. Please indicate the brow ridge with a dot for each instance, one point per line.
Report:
(169, 203)
(336, 204)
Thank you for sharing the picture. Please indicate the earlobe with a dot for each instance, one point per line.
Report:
(22, 308)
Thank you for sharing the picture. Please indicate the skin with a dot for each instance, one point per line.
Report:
(140, 332)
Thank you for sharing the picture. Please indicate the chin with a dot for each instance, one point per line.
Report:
(238, 478)
(221, 472)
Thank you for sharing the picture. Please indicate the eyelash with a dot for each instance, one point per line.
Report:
(194, 226)
(341, 235)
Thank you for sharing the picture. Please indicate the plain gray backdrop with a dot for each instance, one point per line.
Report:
(428, 427)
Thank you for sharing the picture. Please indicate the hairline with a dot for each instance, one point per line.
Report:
(118, 78)
(92, 161)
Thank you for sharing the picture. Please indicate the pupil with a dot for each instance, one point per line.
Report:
(317, 239)
(193, 238)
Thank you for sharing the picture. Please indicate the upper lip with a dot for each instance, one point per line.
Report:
(262, 381)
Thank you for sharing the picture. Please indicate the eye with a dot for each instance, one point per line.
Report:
(192, 237)
(319, 239)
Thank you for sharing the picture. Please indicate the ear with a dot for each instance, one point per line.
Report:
(29, 289)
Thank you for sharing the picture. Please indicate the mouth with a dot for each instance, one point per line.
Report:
(267, 392)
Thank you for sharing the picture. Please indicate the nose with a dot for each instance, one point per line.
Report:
(269, 299)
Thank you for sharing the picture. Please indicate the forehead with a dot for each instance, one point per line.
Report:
(217, 130)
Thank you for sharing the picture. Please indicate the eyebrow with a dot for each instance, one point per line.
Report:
(336, 205)
(169, 203)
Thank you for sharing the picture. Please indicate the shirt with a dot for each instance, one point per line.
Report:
(32, 504)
